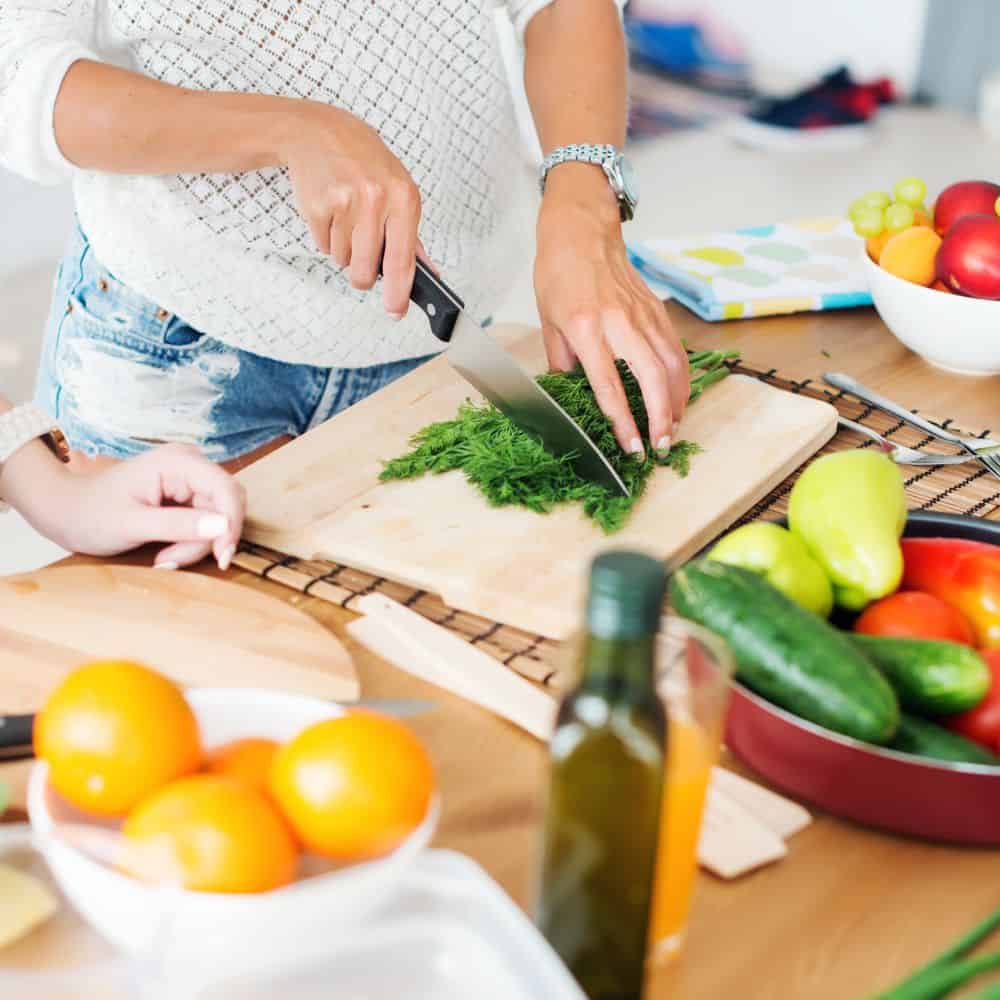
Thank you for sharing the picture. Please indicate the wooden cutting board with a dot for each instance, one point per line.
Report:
(200, 631)
(319, 497)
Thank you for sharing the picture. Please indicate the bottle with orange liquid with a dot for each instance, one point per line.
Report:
(606, 786)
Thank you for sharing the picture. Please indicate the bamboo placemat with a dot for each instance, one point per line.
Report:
(956, 489)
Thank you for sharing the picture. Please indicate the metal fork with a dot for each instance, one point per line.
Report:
(985, 450)
(899, 453)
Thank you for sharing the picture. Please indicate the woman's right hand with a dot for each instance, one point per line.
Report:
(356, 197)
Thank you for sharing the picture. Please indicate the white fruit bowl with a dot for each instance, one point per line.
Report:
(206, 937)
(953, 332)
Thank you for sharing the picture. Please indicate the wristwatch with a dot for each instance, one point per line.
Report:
(612, 161)
(24, 424)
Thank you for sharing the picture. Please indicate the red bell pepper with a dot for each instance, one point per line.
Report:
(962, 573)
(982, 723)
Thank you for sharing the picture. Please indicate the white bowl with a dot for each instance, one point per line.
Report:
(953, 332)
(206, 937)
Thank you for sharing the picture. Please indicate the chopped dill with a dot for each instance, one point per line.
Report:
(509, 466)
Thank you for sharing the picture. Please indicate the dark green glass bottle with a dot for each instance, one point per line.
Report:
(606, 783)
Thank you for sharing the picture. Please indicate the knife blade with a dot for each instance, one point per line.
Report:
(485, 365)
(15, 730)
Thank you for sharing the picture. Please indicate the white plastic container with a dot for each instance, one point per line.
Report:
(451, 934)
(207, 937)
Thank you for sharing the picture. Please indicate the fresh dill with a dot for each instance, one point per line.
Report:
(509, 466)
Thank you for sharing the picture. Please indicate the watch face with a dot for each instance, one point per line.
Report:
(629, 180)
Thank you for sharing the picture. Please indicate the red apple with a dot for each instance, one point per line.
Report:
(968, 260)
(964, 198)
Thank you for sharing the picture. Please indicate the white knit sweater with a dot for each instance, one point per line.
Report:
(229, 253)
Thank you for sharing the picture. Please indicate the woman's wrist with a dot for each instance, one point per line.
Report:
(35, 483)
(577, 187)
(284, 122)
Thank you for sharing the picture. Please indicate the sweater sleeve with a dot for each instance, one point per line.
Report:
(522, 11)
(39, 41)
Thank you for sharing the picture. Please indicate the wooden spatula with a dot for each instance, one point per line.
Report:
(200, 631)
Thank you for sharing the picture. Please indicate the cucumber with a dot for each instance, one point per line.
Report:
(930, 677)
(786, 653)
(927, 739)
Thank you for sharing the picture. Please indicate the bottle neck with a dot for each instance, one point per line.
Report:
(619, 670)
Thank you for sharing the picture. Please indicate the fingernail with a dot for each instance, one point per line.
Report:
(663, 445)
(226, 557)
(635, 446)
(166, 565)
(395, 317)
(212, 525)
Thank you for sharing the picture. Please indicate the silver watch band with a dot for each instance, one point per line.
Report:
(601, 155)
(19, 427)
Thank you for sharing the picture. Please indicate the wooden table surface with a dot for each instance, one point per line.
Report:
(849, 909)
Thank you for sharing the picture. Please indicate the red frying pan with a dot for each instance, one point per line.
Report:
(877, 787)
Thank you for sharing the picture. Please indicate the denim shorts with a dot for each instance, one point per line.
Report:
(121, 374)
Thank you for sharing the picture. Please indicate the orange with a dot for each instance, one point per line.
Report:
(248, 759)
(220, 834)
(921, 217)
(112, 732)
(911, 255)
(876, 244)
(353, 787)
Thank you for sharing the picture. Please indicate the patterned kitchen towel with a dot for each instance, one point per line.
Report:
(789, 267)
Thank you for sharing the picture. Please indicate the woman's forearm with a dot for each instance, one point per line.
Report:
(575, 78)
(575, 73)
(32, 470)
(29, 481)
(117, 121)
(358, 200)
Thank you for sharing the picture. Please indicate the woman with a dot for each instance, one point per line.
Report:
(242, 170)
(107, 511)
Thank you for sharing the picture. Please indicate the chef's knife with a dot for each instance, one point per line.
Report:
(15, 736)
(15, 730)
(482, 362)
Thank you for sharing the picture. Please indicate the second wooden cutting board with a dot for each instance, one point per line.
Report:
(199, 631)
(319, 497)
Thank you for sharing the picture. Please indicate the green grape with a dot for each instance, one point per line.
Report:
(870, 222)
(996, 206)
(855, 207)
(876, 199)
(910, 191)
(898, 217)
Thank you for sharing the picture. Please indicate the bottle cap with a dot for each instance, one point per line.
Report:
(626, 595)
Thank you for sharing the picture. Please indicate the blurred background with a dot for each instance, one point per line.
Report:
(697, 64)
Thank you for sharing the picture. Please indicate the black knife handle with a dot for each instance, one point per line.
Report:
(15, 733)
(441, 305)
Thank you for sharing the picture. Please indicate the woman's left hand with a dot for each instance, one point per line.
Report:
(595, 308)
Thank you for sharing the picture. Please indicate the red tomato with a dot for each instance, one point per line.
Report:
(982, 723)
(914, 615)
